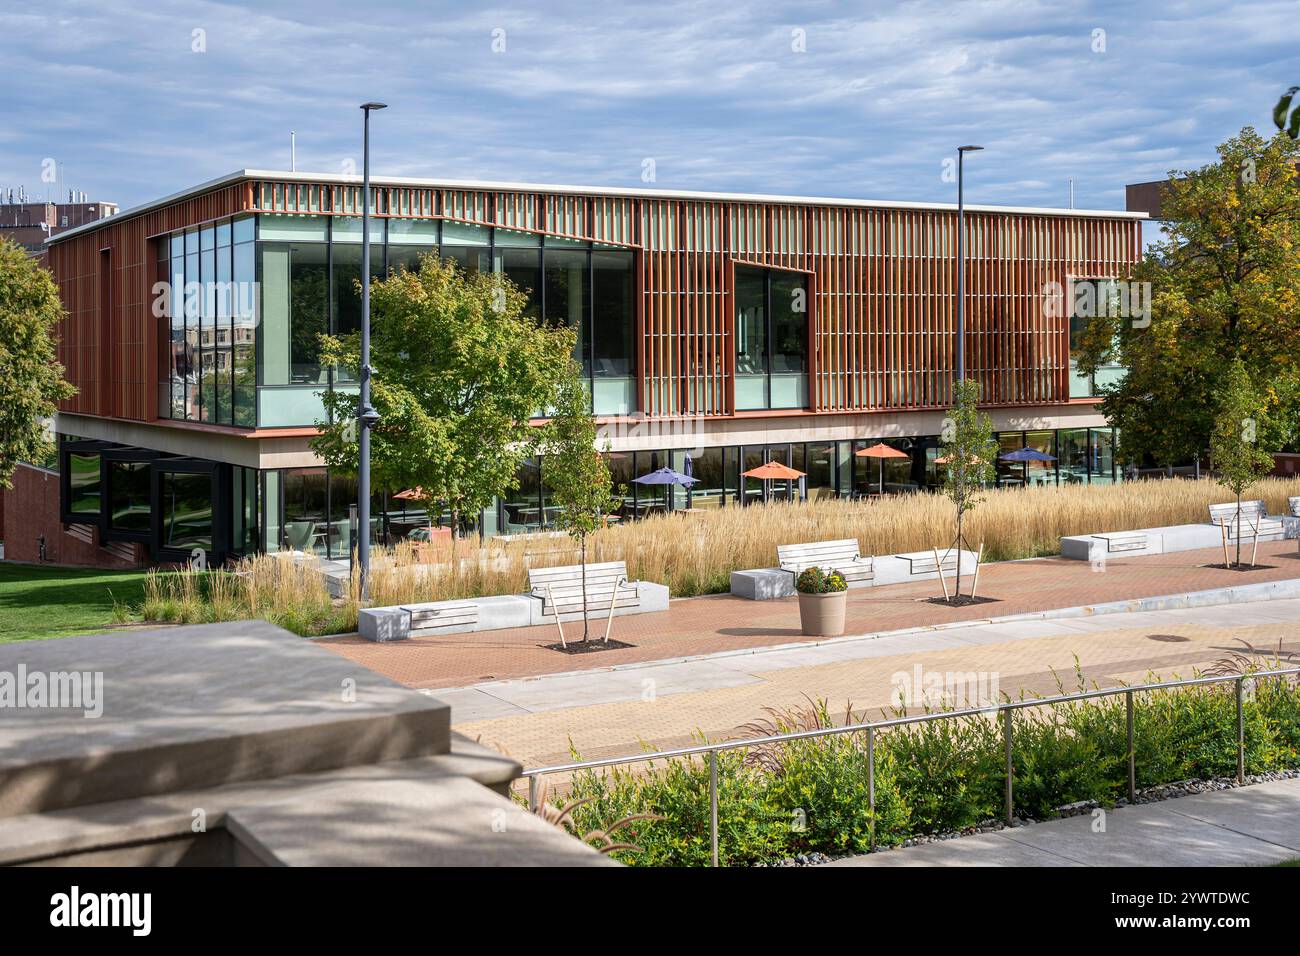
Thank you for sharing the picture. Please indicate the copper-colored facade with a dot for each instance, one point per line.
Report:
(881, 283)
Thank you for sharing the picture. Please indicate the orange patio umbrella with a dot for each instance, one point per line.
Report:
(773, 470)
(882, 451)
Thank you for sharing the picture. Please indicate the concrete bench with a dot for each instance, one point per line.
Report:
(1117, 542)
(842, 556)
(563, 592)
(762, 584)
(442, 616)
(923, 562)
(436, 618)
(1252, 521)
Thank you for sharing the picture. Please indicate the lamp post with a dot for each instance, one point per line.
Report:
(961, 260)
(367, 417)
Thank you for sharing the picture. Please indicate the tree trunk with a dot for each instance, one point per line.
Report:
(957, 588)
(1238, 522)
(583, 546)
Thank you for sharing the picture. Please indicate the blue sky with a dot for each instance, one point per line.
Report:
(717, 94)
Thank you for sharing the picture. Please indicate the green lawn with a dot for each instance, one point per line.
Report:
(38, 602)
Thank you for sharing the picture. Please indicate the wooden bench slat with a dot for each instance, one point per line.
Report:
(561, 588)
(842, 556)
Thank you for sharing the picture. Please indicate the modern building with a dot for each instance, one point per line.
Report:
(724, 328)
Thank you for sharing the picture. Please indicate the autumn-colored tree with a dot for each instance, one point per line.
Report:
(31, 379)
(458, 370)
(1225, 283)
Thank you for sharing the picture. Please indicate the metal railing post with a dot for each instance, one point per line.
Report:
(532, 792)
(871, 784)
(1132, 753)
(1241, 734)
(713, 803)
(1006, 734)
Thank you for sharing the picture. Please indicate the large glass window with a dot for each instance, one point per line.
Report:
(128, 496)
(304, 517)
(186, 510)
(613, 331)
(789, 304)
(751, 339)
(771, 339)
(523, 506)
(83, 484)
(295, 311)
(524, 268)
(566, 298)
(819, 463)
(1091, 298)
(209, 332)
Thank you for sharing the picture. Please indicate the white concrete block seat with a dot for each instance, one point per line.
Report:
(841, 555)
(1250, 522)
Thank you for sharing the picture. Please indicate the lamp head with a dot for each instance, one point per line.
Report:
(374, 106)
(968, 149)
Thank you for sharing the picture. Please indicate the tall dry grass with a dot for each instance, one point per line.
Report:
(695, 554)
(692, 554)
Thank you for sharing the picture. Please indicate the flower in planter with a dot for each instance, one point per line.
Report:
(816, 581)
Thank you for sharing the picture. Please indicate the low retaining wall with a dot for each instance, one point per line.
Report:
(767, 584)
(1180, 537)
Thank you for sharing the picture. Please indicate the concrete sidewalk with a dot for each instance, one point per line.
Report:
(1249, 826)
(627, 683)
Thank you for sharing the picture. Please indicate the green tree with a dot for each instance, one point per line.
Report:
(576, 472)
(458, 370)
(967, 452)
(1285, 118)
(1225, 281)
(1235, 453)
(31, 379)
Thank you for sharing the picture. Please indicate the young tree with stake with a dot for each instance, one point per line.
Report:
(967, 453)
(576, 473)
(1237, 458)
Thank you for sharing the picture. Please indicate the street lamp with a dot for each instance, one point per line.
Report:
(367, 417)
(961, 261)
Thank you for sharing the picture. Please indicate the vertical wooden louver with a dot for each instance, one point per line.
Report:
(881, 287)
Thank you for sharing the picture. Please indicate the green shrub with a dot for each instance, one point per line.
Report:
(950, 772)
(1056, 764)
(811, 795)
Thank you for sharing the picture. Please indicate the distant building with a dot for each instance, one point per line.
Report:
(30, 223)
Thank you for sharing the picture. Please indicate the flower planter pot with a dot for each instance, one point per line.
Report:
(823, 614)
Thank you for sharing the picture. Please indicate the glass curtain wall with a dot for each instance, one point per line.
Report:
(209, 324)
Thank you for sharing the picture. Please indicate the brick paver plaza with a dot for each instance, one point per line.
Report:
(706, 625)
(540, 700)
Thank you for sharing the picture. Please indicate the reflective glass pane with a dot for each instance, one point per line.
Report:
(186, 510)
(83, 484)
(128, 484)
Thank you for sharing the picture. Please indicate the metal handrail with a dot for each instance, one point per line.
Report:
(1006, 709)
